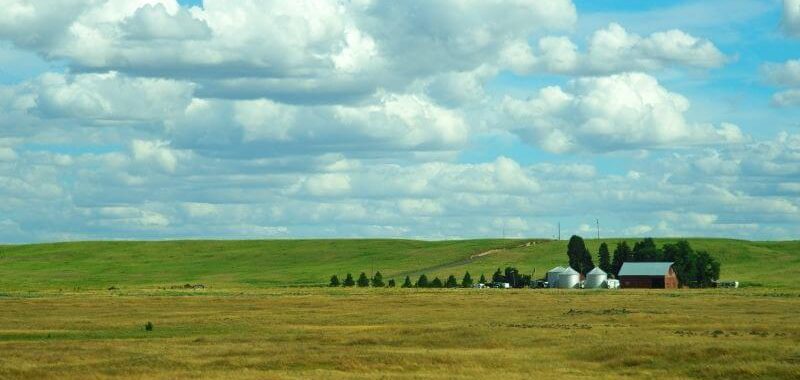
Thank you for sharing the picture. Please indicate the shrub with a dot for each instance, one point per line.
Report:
(483, 279)
(407, 283)
(377, 280)
(390, 284)
(363, 281)
(335, 281)
(148, 326)
(348, 281)
(436, 283)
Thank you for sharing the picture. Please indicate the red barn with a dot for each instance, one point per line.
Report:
(651, 275)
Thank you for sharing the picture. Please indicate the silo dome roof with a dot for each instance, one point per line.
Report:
(596, 271)
(556, 269)
(569, 270)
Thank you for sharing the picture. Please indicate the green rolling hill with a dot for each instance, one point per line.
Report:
(275, 263)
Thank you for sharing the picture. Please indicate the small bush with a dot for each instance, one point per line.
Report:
(148, 326)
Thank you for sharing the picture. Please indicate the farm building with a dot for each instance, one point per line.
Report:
(595, 279)
(569, 279)
(552, 276)
(650, 275)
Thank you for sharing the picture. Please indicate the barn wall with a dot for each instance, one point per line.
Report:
(636, 282)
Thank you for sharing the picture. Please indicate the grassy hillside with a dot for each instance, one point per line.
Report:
(247, 264)
(772, 264)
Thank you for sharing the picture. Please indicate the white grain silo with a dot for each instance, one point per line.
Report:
(595, 279)
(569, 279)
(552, 276)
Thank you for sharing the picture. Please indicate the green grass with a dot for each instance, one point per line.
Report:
(274, 263)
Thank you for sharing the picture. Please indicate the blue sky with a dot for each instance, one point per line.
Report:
(156, 119)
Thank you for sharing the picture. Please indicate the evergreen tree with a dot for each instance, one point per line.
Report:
(363, 280)
(466, 282)
(683, 258)
(622, 254)
(422, 282)
(436, 283)
(348, 281)
(604, 258)
(335, 281)
(451, 282)
(377, 280)
(526, 281)
(579, 257)
(407, 283)
(498, 276)
(646, 250)
(707, 269)
(390, 284)
(512, 276)
(482, 279)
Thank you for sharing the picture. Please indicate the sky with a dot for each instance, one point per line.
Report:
(448, 119)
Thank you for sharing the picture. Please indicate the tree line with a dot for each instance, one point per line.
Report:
(510, 275)
(693, 268)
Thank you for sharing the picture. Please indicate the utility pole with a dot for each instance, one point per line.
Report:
(504, 228)
(598, 228)
(559, 231)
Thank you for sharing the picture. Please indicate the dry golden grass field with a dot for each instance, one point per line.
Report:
(321, 333)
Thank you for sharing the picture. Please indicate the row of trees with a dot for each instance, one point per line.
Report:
(693, 268)
(510, 275)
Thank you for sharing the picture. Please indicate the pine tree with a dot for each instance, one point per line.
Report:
(579, 257)
(622, 254)
(605, 258)
(483, 279)
(512, 276)
(451, 282)
(466, 282)
(335, 281)
(498, 276)
(407, 283)
(436, 283)
(363, 280)
(422, 282)
(348, 281)
(646, 250)
(377, 280)
(391, 283)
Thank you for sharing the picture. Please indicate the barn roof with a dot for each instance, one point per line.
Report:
(645, 269)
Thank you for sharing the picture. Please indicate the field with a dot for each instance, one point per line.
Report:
(261, 316)
(270, 263)
(377, 333)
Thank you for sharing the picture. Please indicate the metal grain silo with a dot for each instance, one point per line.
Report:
(552, 276)
(595, 279)
(569, 279)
